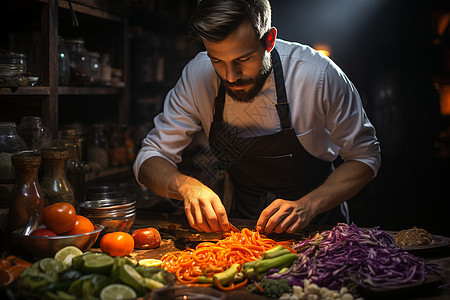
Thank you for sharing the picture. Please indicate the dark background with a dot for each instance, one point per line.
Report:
(386, 48)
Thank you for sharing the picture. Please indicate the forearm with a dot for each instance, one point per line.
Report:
(163, 178)
(342, 184)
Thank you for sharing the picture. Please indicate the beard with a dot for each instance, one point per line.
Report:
(256, 84)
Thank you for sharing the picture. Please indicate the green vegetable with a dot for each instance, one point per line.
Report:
(228, 275)
(89, 286)
(204, 279)
(34, 282)
(58, 295)
(274, 252)
(152, 284)
(278, 262)
(272, 288)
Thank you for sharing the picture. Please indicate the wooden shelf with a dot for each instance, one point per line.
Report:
(26, 90)
(107, 172)
(90, 90)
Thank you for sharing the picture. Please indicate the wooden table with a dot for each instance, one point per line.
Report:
(184, 234)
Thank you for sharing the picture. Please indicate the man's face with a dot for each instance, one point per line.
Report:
(241, 62)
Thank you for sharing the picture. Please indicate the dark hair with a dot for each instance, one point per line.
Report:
(215, 20)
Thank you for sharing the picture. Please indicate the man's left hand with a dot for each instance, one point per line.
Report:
(285, 216)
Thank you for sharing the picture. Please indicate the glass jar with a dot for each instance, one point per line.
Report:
(35, 135)
(117, 152)
(13, 69)
(63, 63)
(97, 154)
(54, 183)
(96, 68)
(10, 143)
(27, 195)
(80, 67)
(129, 143)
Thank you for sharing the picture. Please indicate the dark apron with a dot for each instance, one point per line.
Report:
(267, 167)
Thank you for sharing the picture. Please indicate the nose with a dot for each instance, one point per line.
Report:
(233, 72)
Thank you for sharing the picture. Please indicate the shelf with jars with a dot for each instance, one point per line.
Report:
(42, 34)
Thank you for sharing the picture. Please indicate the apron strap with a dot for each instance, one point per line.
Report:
(219, 104)
(282, 106)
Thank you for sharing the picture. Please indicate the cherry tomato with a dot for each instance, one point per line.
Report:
(43, 232)
(59, 217)
(82, 225)
(117, 243)
(146, 238)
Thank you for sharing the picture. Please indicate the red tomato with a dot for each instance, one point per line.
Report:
(82, 225)
(117, 243)
(59, 217)
(146, 238)
(43, 232)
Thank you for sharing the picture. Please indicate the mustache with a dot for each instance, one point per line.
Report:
(239, 82)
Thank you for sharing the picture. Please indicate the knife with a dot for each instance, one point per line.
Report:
(233, 228)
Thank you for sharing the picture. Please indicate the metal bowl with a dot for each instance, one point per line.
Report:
(40, 247)
(114, 214)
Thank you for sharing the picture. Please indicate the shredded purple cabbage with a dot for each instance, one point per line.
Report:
(346, 253)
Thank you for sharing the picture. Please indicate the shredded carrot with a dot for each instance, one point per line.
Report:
(232, 286)
(211, 258)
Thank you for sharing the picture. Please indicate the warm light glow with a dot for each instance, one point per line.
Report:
(444, 92)
(324, 49)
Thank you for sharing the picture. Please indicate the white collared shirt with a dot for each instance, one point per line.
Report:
(326, 110)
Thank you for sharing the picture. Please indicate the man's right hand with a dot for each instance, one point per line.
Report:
(203, 208)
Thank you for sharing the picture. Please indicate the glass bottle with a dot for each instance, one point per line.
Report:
(27, 195)
(96, 69)
(35, 135)
(117, 152)
(80, 67)
(10, 142)
(54, 183)
(63, 63)
(74, 171)
(97, 146)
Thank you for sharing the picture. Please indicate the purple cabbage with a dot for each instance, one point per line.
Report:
(346, 254)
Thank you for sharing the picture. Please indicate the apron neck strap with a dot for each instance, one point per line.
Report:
(282, 104)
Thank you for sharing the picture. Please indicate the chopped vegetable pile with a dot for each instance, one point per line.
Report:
(346, 254)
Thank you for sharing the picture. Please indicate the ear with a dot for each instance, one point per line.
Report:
(270, 39)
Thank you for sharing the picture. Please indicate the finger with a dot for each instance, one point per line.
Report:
(284, 224)
(276, 219)
(190, 216)
(211, 218)
(265, 215)
(296, 226)
(221, 214)
(201, 221)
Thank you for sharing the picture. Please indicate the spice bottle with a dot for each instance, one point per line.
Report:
(97, 146)
(54, 183)
(27, 196)
(35, 135)
(10, 143)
